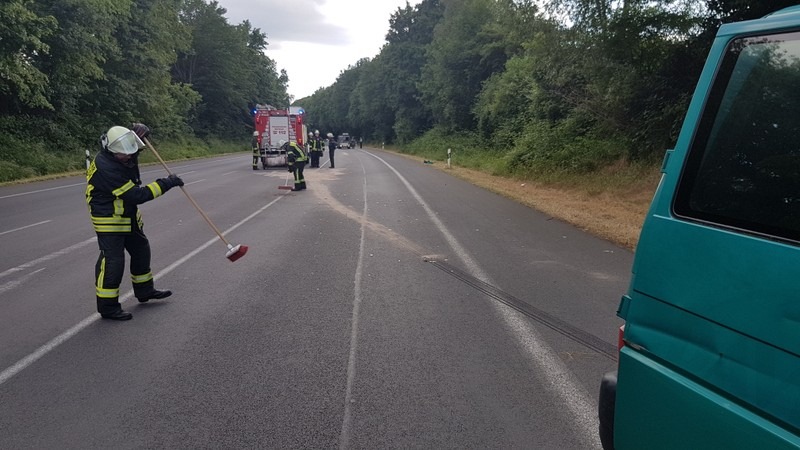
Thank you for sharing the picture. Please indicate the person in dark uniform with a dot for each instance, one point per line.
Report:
(297, 159)
(113, 193)
(331, 148)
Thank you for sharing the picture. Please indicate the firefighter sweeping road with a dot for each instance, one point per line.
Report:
(389, 305)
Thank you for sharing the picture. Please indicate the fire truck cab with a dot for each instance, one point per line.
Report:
(273, 125)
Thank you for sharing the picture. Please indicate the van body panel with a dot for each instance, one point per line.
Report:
(666, 410)
(712, 315)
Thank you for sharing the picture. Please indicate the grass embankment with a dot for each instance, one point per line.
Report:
(610, 202)
(32, 162)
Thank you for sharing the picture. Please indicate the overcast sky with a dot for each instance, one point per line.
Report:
(315, 40)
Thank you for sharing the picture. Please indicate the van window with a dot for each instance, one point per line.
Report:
(743, 166)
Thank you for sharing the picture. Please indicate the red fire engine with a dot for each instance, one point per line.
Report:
(273, 125)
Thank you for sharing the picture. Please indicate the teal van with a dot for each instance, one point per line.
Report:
(710, 350)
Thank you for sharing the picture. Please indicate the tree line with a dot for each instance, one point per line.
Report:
(542, 85)
(569, 85)
(70, 69)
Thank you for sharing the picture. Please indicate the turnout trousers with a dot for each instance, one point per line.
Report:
(314, 157)
(111, 265)
(299, 180)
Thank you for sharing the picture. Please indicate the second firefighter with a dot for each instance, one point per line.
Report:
(296, 158)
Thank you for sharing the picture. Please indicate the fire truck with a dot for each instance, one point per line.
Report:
(273, 125)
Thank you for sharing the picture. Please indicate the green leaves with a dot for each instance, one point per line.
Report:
(22, 34)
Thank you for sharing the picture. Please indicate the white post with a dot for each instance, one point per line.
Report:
(448, 158)
(88, 159)
(382, 145)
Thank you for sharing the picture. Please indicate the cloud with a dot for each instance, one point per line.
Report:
(288, 21)
(315, 40)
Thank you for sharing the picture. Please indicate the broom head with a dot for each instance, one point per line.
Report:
(236, 252)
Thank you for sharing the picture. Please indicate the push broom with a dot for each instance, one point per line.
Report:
(234, 251)
(286, 184)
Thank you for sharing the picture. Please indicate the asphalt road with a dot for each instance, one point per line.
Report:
(388, 306)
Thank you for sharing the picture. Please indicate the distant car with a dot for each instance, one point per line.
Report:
(343, 141)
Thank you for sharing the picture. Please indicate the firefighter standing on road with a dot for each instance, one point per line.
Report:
(315, 149)
(256, 151)
(113, 192)
(297, 159)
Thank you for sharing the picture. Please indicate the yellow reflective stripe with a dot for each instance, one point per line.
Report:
(155, 188)
(89, 189)
(112, 228)
(113, 220)
(142, 278)
(111, 224)
(123, 189)
(119, 207)
(91, 170)
(102, 274)
(107, 293)
(100, 291)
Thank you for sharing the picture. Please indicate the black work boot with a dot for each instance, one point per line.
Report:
(118, 315)
(153, 294)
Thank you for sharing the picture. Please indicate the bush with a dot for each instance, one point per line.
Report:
(563, 148)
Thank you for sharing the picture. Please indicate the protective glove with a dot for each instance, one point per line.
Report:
(175, 180)
(171, 181)
(141, 130)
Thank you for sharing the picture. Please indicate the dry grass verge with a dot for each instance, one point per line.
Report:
(611, 204)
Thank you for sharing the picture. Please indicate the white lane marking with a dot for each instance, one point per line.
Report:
(37, 354)
(12, 284)
(344, 435)
(26, 226)
(43, 190)
(228, 173)
(193, 182)
(53, 255)
(558, 378)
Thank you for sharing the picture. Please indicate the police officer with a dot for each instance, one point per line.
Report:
(331, 148)
(113, 192)
(297, 159)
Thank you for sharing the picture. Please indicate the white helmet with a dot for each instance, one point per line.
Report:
(255, 133)
(316, 132)
(310, 134)
(121, 140)
(281, 143)
(330, 135)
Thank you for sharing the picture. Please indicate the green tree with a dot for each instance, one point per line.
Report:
(458, 62)
(22, 41)
(226, 66)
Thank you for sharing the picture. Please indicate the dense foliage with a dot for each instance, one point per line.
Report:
(70, 69)
(518, 86)
(531, 86)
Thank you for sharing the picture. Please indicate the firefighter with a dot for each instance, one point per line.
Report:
(297, 159)
(256, 151)
(113, 192)
(315, 149)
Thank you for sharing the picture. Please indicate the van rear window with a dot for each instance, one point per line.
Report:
(743, 167)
